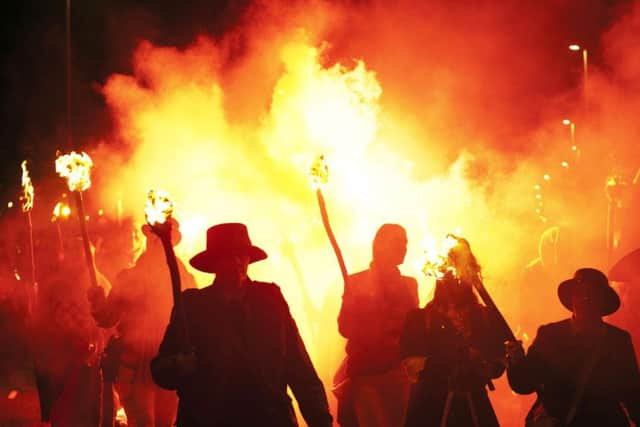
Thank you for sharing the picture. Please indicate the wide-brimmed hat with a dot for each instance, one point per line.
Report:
(605, 296)
(224, 240)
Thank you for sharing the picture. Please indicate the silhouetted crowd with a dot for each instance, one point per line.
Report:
(230, 354)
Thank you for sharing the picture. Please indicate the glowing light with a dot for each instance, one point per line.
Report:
(538, 211)
(566, 122)
(574, 47)
(536, 187)
(17, 275)
(319, 173)
(100, 212)
(10, 205)
(12, 394)
(574, 148)
(121, 416)
(159, 207)
(538, 196)
(436, 256)
(546, 177)
(60, 210)
(565, 164)
(27, 189)
(76, 168)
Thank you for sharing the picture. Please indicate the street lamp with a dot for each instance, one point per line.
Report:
(585, 65)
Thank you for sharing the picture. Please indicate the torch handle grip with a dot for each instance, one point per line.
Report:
(331, 236)
(176, 287)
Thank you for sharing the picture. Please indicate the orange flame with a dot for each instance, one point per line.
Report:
(76, 168)
(61, 209)
(27, 189)
(319, 173)
(159, 207)
(121, 416)
(436, 257)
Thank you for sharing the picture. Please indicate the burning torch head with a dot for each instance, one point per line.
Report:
(76, 168)
(151, 236)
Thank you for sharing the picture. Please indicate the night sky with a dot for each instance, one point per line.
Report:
(104, 33)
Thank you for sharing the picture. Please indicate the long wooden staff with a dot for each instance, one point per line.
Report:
(158, 211)
(320, 176)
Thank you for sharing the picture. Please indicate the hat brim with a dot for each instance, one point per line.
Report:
(208, 261)
(608, 299)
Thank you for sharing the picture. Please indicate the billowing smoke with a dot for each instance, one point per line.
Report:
(441, 116)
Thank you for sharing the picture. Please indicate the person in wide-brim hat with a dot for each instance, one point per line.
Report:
(596, 285)
(224, 240)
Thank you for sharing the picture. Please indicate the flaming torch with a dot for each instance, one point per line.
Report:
(158, 212)
(76, 169)
(319, 178)
(27, 197)
(455, 260)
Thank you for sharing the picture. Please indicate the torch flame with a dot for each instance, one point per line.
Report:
(76, 168)
(121, 416)
(319, 173)
(159, 207)
(61, 209)
(436, 257)
(27, 189)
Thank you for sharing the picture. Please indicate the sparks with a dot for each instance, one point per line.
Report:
(319, 173)
(159, 207)
(27, 189)
(76, 168)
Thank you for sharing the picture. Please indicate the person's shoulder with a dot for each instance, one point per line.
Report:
(617, 332)
(560, 327)
(409, 281)
(266, 289)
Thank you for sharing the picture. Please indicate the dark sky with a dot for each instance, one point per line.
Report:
(105, 32)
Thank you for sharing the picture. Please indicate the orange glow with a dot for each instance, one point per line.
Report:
(159, 207)
(76, 169)
(566, 122)
(319, 173)
(574, 47)
(60, 210)
(121, 416)
(436, 256)
(27, 189)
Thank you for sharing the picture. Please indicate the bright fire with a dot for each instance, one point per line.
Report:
(319, 173)
(76, 169)
(159, 207)
(60, 210)
(27, 189)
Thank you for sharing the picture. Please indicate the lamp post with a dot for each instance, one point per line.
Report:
(585, 66)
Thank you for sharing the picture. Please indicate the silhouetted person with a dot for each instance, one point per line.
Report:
(374, 306)
(246, 347)
(452, 349)
(582, 368)
(139, 305)
(66, 342)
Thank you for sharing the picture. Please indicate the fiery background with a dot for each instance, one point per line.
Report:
(440, 116)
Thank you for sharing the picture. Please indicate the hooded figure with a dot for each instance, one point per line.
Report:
(242, 348)
(583, 369)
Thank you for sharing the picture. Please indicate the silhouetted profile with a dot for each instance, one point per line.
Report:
(139, 305)
(374, 389)
(246, 348)
(452, 348)
(583, 369)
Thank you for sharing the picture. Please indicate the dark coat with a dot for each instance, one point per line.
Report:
(374, 307)
(449, 367)
(247, 354)
(555, 361)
